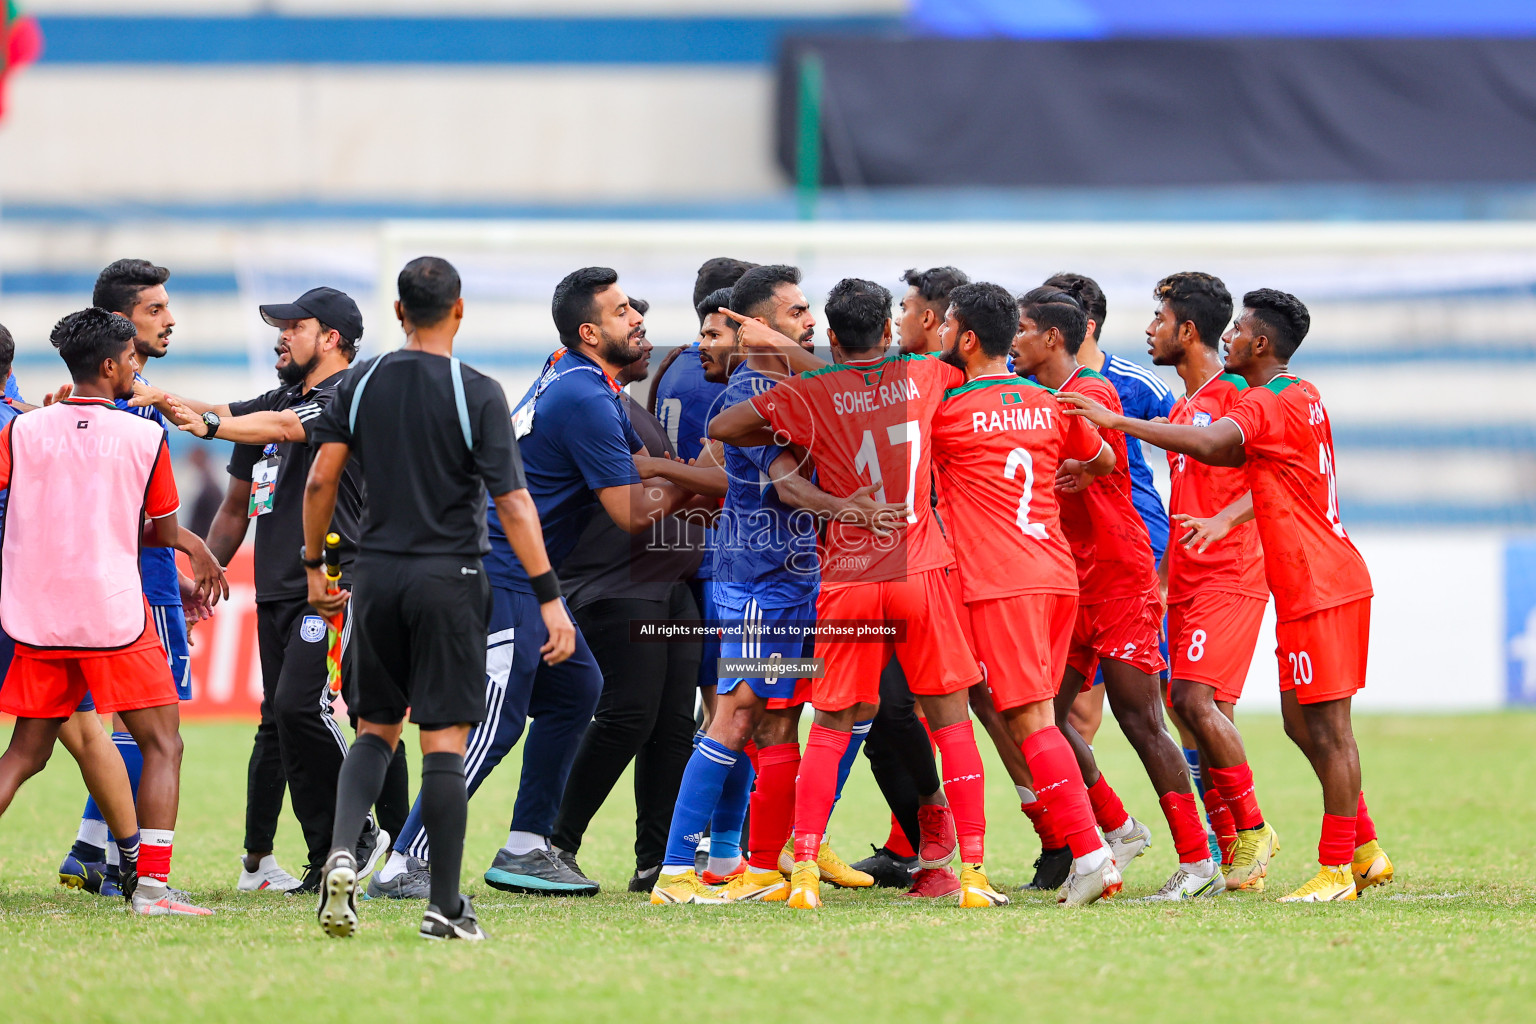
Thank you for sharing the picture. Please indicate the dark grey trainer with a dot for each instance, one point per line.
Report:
(414, 883)
(568, 858)
(538, 872)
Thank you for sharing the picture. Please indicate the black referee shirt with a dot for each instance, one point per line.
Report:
(426, 491)
(280, 533)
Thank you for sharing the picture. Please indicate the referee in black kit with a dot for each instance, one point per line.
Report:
(432, 437)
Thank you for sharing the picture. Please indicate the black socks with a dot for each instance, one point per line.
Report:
(357, 786)
(445, 813)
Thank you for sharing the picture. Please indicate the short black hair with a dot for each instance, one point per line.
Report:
(857, 311)
(1088, 294)
(428, 286)
(712, 303)
(990, 312)
(934, 284)
(7, 351)
(755, 288)
(347, 346)
(86, 337)
(717, 273)
(574, 300)
(642, 306)
(1199, 298)
(118, 286)
(1283, 314)
(1049, 307)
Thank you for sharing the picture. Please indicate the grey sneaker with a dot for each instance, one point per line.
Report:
(538, 872)
(436, 925)
(568, 858)
(1129, 846)
(337, 912)
(1099, 884)
(1186, 886)
(414, 883)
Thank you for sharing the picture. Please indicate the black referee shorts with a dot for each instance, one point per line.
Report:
(418, 638)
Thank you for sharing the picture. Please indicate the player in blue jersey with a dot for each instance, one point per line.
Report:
(767, 577)
(686, 394)
(577, 448)
(136, 289)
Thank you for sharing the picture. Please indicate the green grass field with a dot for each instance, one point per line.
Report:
(1452, 939)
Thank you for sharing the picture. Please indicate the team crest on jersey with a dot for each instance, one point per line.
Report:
(871, 379)
(1202, 419)
(1012, 398)
(312, 629)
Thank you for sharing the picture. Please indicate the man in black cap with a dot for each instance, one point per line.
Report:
(298, 741)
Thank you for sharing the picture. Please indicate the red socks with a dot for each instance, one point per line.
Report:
(965, 787)
(1222, 823)
(751, 751)
(1059, 786)
(1365, 828)
(815, 787)
(1045, 826)
(772, 805)
(155, 853)
(897, 841)
(1337, 845)
(1184, 823)
(1236, 786)
(1108, 811)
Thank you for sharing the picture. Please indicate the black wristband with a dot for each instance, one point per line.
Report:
(546, 586)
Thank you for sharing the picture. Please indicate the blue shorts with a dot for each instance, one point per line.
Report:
(739, 617)
(704, 594)
(171, 623)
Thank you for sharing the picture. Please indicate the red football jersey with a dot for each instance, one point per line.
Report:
(1109, 541)
(996, 444)
(864, 423)
(1309, 560)
(1235, 564)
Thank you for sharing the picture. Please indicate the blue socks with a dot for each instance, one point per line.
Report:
(703, 782)
(730, 812)
(855, 741)
(1192, 758)
(90, 846)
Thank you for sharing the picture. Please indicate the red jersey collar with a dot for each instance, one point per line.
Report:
(86, 400)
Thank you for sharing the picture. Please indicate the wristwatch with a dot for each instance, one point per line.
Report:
(309, 563)
(211, 421)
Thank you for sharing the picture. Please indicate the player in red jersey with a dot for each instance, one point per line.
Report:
(866, 421)
(1278, 431)
(1119, 613)
(1216, 591)
(997, 444)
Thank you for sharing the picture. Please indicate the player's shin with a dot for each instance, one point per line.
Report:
(1060, 787)
(773, 805)
(816, 787)
(703, 779)
(1184, 823)
(965, 786)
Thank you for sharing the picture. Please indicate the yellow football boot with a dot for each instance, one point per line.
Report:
(805, 886)
(976, 891)
(1250, 858)
(840, 874)
(1371, 866)
(1327, 886)
(683, 888)
(787, 857)
(756, 887)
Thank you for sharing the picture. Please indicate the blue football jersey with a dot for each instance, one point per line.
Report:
(764, 548)
(157, 566)
(685, 401)
(1144, 396)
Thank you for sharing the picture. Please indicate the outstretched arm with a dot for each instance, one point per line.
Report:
(741, 425)
(1220, 444)
(146, 394)
(252, 428)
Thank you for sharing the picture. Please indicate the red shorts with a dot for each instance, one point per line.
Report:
(1127, 629)
(1322, 656)
(1022, 643)
(118, 681)
(802, 696)
(1211, 638)
(934, 654)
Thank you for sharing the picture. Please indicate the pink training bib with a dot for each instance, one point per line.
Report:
(69, 563)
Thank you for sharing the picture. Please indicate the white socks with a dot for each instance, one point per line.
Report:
(393, 868)
(1123, 830)
(525, 842)
(1203, 868)
(723, 865)
(93, 833)
(1090, 862)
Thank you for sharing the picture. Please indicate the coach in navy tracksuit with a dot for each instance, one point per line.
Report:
(578, 450)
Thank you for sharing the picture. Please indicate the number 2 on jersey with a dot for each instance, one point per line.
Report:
(866, 460)
(1018, 458)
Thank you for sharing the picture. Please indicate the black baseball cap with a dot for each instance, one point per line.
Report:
(329, 306)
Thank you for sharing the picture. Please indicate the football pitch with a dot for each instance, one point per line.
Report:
(1451, 939)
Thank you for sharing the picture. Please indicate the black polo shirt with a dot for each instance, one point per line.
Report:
(279, 534)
